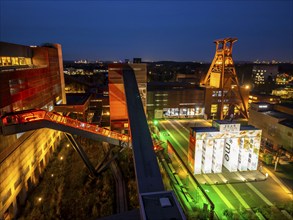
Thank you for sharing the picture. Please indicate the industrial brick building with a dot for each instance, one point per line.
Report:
(31, 77)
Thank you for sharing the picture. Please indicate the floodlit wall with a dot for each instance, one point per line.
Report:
(231, 154)
(117, 99)
(214, 148)
(207, 155)
(215, 80)
(274, 132)
(198, 156)
(244, 153)
(21, 169)
(217, 155)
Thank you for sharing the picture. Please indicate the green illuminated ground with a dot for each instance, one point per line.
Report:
(245, 200)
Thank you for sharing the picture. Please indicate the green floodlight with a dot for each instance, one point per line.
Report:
(156, 122)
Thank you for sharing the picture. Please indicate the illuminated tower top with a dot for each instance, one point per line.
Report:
(222, 63)
(222, 76)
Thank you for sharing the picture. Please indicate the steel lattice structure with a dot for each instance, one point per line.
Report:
(222, 75)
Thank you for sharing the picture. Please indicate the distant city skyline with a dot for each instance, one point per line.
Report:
(152, 30)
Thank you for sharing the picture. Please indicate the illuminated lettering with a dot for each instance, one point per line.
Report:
(230, 127)
(227, 150)
(262, 106)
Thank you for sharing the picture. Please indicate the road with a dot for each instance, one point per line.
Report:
(238, 196)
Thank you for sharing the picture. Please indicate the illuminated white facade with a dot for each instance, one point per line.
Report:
(218, 155)
(225, 144)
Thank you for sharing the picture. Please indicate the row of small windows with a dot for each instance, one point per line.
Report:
(163, 94)
(260, 71)
(214, 109)
(163, 100)
(259, 74)
(217, 93)
(173, 112)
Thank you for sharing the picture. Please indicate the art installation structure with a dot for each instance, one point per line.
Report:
(225, 144)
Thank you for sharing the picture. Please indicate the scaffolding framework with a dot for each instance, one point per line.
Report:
(222, 75)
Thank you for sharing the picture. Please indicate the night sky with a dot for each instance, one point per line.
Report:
(152, 30)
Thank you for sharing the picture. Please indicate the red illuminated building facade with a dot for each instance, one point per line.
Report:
(31, 77)
(117, 99)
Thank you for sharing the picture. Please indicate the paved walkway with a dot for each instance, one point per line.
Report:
(230, 177)
(286, 187)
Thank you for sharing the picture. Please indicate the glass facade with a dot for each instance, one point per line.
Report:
(31, 87)
(186, 112)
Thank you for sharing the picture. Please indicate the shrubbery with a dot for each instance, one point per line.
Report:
(66, 191)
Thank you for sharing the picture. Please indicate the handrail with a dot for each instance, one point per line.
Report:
(39, 114)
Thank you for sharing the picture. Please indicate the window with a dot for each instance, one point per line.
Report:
(214, 108)
(225, 109)
(17, 85)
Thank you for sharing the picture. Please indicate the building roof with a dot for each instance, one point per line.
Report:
(76, 98)
(263, 95)
(287, 123)
(260, 103)
(287, 105)
(214, 129)
(161, 205)
(163, 86)
(224, 122)
(154, 201)
(278, 115)
(248, 127)
(204, 129)
(15, 50)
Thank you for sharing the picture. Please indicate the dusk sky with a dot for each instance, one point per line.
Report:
(152, 30)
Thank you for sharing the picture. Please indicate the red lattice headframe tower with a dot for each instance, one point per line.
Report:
(222, 76)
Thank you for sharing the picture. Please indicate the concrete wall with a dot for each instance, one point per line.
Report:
(273, 132)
